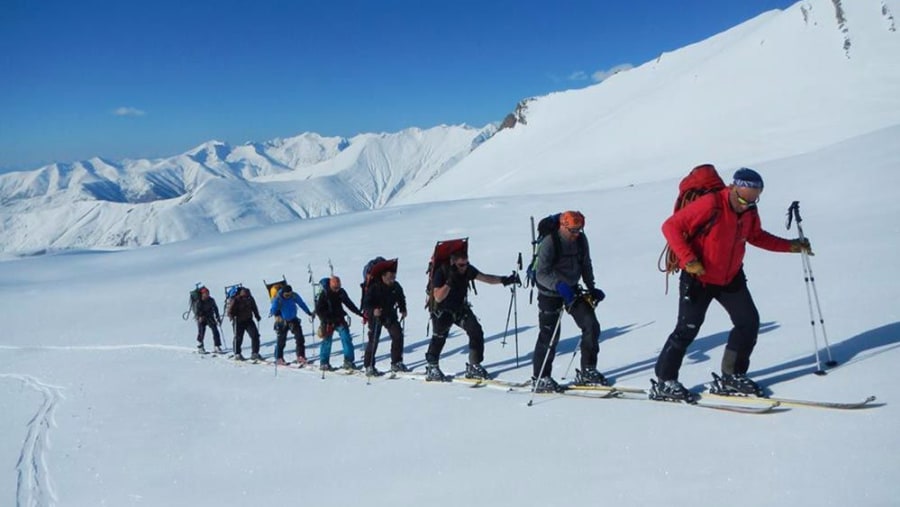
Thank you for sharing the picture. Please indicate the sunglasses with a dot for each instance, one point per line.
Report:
(462, 264)
(575, 230)
(745, 202)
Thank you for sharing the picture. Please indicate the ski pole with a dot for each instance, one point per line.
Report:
(516, 306)
(810, 281)
(516, 322)
(533, 251)
(508, 314)
(373, 342)
(553, 339)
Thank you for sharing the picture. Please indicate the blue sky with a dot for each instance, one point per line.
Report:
(122, 79)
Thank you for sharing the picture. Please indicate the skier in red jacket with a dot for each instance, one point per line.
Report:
(709, 237)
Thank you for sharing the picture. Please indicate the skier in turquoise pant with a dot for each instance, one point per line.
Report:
(332, 317)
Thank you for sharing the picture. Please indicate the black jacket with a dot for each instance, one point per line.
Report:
(330, 306)
(389, 299)
(243, 309)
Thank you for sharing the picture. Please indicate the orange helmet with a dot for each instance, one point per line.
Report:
(571, 220)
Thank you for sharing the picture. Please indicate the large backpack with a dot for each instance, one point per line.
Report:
(231, 292)
(273, 288)
(321, 290)
(372, 270)
(440, 259)
(194, 299)
(549, 227)
(702, 180)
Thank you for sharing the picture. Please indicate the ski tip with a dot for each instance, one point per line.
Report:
(821, 373)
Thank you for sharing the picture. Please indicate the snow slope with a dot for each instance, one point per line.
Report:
(106, 404)
(781, 84)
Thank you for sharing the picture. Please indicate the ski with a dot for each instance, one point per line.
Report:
(619, 389)
(795, 402)
(740, 409)
(491, 382)
(762, 406)
(448, 379)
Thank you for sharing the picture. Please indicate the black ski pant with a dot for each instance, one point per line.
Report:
(250, 328)
(442, 321)
(694, 298)
(550, 311)
(394, 330)
(281, 330)
(210, 322)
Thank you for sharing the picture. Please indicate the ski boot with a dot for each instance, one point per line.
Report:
(280, 362)
(433, 373)
(218, 350)
(399, 367)
(476, 371)
(371, 371)
(238, 357)
(256, 357)
(590, 377)
(326, 367)
(302, 362)
(546, 385)
(201, 349)
(348, 365)
(737, 384)
(670, 390)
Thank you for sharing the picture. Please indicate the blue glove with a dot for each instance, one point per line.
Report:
(565, 292)
(598, 295)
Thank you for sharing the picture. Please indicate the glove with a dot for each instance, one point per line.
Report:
(597, 295)
(508, 280)
(695, 267)
(565, 292)
(801, 245)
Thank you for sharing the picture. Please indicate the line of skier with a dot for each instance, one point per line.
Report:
(707, 238)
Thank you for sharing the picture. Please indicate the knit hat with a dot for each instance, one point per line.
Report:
(746, 177)
(571, 220)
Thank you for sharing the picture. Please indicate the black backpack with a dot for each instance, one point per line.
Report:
(549, 226)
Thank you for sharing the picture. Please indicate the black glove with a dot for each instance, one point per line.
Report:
(508, 280)
(597, 294)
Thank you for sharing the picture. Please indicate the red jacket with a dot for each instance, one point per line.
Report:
(721, 249)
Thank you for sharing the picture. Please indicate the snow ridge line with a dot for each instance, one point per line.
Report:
(34, 487)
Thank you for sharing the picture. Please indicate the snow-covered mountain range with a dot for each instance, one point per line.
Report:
(217, 188)
(781, 84)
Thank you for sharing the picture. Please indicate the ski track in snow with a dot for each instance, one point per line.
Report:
(99, 347)
(33, 485)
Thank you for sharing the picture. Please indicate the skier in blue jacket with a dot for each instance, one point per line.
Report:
(284, 309)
